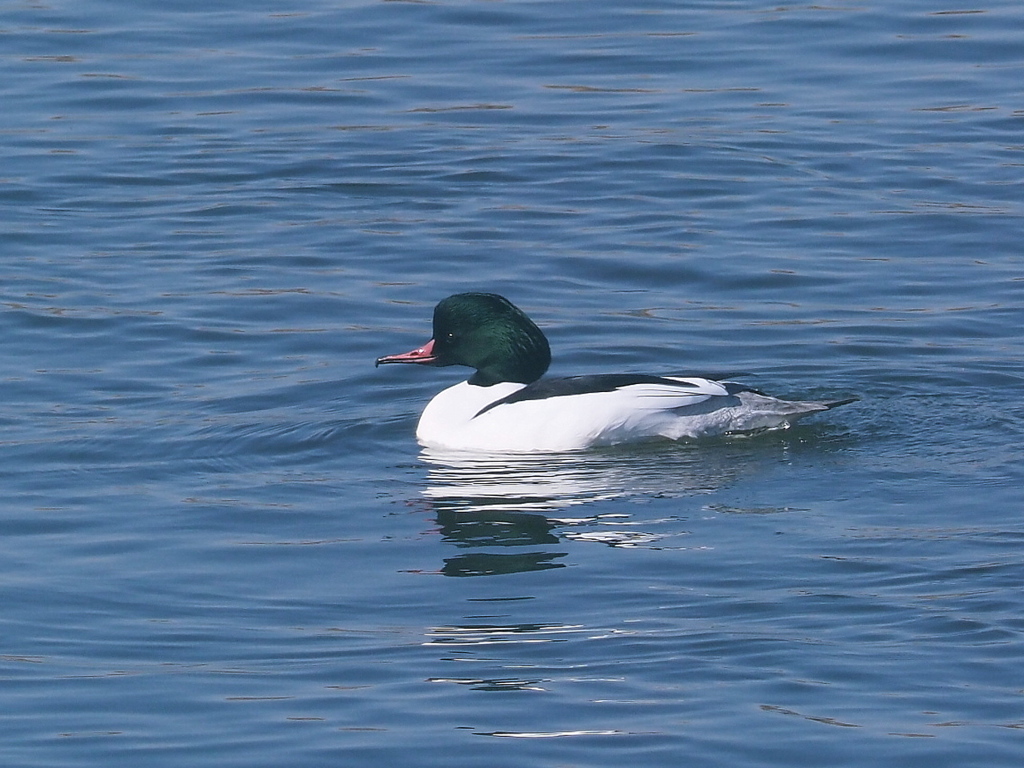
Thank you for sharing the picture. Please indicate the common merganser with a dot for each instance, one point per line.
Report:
(506, 406)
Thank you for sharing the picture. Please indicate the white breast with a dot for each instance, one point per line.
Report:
(446, 420)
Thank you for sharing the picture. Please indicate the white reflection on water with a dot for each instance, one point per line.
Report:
(474, 482)
(541, 483)
(509, 513)
(501, 511)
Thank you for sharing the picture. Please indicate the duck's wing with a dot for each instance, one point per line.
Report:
(647, 392)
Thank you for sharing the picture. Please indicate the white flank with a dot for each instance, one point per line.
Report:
(453, 419)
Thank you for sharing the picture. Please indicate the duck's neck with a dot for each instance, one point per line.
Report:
(518, 369)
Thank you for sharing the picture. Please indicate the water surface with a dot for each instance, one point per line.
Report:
(221, 544)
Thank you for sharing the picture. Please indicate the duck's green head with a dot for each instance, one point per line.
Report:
(486, 332)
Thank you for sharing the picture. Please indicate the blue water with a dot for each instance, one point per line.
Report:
(220, 544)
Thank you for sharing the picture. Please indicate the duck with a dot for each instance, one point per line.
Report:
(508, 406)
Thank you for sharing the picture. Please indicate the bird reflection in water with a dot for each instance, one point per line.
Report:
(519, 501)
(492, 501)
